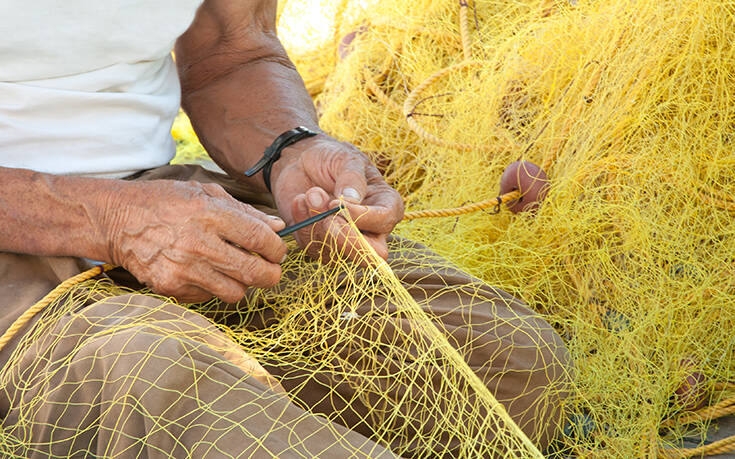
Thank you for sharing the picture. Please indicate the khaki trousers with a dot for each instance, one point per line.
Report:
(135, 376)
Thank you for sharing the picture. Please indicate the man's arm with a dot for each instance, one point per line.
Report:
(239, 87)
(241, 91)
(179, 238)
(43, 214)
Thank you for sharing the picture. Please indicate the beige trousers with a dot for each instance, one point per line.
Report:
(134, 376)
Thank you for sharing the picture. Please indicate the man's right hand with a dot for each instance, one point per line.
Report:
(193, 241)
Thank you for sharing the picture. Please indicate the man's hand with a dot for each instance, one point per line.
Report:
(241, 91)
(312, 176)
(193, 241)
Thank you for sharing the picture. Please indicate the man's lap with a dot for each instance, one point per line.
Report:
(506, 344)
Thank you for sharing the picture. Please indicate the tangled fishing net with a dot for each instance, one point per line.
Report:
(628, 108)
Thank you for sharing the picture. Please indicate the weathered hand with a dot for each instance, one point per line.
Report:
(312, 180)
(193, 241)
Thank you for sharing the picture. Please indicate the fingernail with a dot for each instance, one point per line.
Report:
(315, 199)
(351, 194)
(302, 205)
(285, 257)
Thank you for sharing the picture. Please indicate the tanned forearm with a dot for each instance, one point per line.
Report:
(42, 214)
(239, 87)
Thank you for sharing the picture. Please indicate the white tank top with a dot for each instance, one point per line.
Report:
(89, 86)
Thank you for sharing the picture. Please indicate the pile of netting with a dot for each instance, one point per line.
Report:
(626, 106)
(629, 108)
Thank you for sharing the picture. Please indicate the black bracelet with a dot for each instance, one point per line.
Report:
(273, 153)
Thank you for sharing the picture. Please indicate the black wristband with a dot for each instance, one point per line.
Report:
(273, 153)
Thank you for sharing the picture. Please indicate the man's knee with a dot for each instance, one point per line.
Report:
(530, 370)
(121, 335)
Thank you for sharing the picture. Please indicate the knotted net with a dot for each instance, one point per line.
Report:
(626, 105)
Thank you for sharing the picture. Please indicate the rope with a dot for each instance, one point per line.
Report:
(464, 29)
(60, 290)
(67, 285)
(725, 445)
(410, 105)
(469, 208)
(721, 409)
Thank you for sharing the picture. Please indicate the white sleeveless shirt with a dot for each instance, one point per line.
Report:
(89, 86)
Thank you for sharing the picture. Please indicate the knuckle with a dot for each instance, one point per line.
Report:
(167, 285)
(251, 211)
(200, 204)
(256, 237)
(213, 189)
(197, 246)
(249, 208)
(189, 188)
(270, 277)
(246, 269)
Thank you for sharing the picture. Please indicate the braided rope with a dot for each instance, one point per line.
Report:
(726, 445)
(464, 29)
(469, 208)
(410, 103)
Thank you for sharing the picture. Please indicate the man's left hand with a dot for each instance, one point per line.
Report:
(312, 180)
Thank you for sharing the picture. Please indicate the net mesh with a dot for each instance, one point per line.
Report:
(411, 358)
(626, 105)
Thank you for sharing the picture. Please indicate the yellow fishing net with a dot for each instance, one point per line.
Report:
(626, 105)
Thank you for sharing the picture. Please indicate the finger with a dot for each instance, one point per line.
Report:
(299, 208)
(311, 235)
(348, 243)
(351, 181)
(380, 215)
(300, 212)
(247, 269)
(222, 286)
(192, 294)
(318, 200)
(307, 205)
(216, 191)
(379, 242)
(274, 222)
(201, 277)
(333, 236)
(169, 281)
(381, 209)
(254, 235)
(226, 201)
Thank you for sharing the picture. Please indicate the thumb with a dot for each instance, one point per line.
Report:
(351, 182)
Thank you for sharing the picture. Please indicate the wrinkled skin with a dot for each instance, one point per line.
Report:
(194, 241)
(315, 180)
